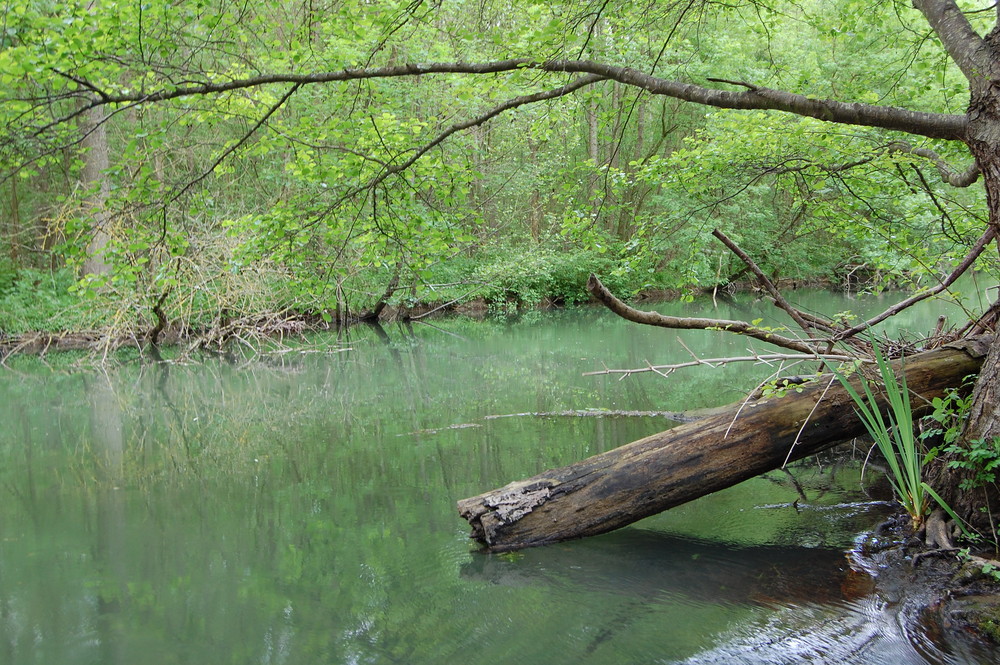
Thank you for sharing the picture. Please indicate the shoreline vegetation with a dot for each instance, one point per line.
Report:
(43, 312)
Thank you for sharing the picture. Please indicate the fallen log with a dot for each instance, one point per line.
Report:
(645, 477)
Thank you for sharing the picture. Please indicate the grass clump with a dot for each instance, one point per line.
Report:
(894, 436)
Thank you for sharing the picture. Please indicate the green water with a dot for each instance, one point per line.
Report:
(299, 507)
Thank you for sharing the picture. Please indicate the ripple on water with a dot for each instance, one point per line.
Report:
(858, 632)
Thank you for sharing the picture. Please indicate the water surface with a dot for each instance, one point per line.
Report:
(299, 507)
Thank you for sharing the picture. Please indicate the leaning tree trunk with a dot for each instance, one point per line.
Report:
(983, 422)
(645, 477)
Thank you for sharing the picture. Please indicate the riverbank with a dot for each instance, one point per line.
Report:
(59, 325)
(951, 597)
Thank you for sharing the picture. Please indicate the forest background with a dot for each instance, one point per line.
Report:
(326, 201)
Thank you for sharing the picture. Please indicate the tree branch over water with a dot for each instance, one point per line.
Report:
(931, 125)
(608, 299)
(963, 267)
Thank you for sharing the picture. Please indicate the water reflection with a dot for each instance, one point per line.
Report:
(108, 444)
(654, 565)
(298, 508)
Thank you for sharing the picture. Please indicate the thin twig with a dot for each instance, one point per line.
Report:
(806, 421)
(966, 263)
(749, 396)
(715, 362)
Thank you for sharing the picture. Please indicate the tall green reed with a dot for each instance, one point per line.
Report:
(894, 435)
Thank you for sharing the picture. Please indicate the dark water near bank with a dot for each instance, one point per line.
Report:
(298, 508)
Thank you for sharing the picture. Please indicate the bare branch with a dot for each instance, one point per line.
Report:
(779, 300)
(680, 417)
(798, 436)
(757, 358)
(599, 291)
(985, 324)
(742, 84)
(949, 175)
(933, 125)
(966, 263)
(83, 82)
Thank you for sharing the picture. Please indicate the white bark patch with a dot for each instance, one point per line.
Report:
(512, 505)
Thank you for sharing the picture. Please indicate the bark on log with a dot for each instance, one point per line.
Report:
(648, 476)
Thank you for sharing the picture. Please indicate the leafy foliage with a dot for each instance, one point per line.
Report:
(314, 196)
(40, 300)
(979, 458)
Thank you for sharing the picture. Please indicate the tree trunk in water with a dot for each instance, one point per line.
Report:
(645, 477)
(95, 165)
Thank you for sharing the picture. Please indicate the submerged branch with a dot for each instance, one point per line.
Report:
(676, 416)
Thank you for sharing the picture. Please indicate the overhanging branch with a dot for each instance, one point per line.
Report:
(966, 263)
(779, 299)
(608, 299)
(933, 125)
(390, 168)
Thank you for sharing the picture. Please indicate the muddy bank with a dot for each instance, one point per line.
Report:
(947, 606)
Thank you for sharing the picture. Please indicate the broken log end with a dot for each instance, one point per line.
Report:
(489, 513)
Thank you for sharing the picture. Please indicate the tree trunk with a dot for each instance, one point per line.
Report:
(535, 201)
(983, 422)
(390, 289)
(95, 165)
(615, 148)
(593, 126)
(14, 230)
(645, 477)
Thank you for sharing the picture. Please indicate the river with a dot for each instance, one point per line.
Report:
(298, 507)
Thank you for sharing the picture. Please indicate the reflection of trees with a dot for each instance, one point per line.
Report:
(291, 508)
(108, 449)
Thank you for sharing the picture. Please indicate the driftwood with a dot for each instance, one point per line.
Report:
(645, 477)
